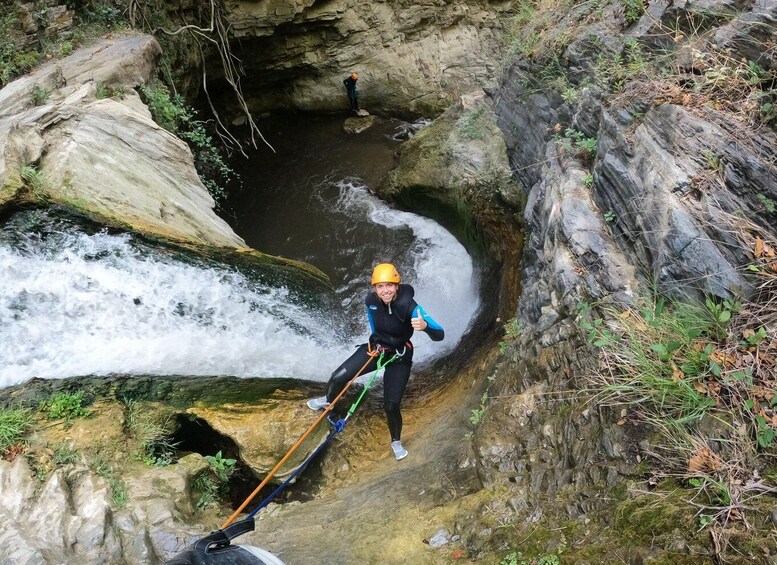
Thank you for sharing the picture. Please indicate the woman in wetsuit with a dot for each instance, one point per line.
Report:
(393, 315)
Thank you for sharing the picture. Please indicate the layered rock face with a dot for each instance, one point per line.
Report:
(413, 58)
(669, 171)
(68, 517)
(669, 199)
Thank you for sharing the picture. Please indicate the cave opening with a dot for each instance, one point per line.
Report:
(195, 435)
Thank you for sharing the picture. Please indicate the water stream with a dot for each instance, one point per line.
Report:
(77, 302)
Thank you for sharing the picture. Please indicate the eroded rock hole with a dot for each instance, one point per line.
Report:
(196, 435)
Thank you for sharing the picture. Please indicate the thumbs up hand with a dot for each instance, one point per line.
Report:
(419, 324)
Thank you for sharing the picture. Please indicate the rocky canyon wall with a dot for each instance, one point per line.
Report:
(636, 182)
(413, 58)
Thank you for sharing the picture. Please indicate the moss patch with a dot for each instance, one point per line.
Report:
(664, 515)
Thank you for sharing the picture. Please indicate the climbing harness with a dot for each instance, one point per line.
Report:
(338, 427)
(382, 349)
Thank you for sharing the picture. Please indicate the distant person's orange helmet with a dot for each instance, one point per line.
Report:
(354, 76)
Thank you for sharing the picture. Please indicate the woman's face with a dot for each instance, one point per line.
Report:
(387, 292)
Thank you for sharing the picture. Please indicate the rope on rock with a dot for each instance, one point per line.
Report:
(338, 427)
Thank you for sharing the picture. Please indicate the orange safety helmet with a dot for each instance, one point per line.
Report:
(385, 273)
(354, 76)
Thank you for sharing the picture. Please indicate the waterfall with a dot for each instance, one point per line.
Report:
(75, 302)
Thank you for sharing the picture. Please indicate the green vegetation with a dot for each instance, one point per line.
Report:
(37, 467)
(155, 448)
(713, 159)
(223, 468)
(119, 494)
(64, 454)
(767, 203)
(212, 485)
(65, 406)
(103, 14)
(40, 95)
(13, 61)
(614, 71)
(15, 423)
(171, 113)
(518, 558)
(208, 488)
(694, 373)
(632, 11)
(95, 18)
(661, 357)
(18, 55)
(469, 124)
(512, 331)
(33, 180)
(541, 33)
(577, 139)
(641, 520)
(478, 412)
(102, 90)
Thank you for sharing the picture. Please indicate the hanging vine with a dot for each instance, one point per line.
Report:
(215, 35)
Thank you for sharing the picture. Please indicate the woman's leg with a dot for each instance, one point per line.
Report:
(348, 370)
(394, 383)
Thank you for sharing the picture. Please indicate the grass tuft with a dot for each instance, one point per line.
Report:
(15, 424)
(65, 406)
(153, 437)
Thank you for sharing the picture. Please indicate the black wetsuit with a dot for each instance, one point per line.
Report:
(391, 330)
(353, 94)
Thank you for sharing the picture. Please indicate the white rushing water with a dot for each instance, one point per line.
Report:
(76, 304)
(435, 264)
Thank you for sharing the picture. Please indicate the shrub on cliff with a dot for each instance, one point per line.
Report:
(171, 113)
(31, 33)
(13, 60)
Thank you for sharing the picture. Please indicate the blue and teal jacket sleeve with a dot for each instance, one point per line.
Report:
(433, 329)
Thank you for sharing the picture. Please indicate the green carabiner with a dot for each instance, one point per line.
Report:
(381, 365)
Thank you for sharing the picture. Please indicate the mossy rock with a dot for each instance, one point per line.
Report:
(665, 519)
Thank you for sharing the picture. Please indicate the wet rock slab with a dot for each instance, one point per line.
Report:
(358, 125)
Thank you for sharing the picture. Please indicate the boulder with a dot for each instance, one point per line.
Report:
(358, 125)
(104, 157)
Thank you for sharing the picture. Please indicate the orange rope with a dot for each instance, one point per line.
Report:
(372, 353)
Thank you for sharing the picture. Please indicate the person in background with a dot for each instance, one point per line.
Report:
(393, 315)
(353, 94)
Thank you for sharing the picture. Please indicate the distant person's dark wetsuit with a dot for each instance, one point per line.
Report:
(353, 94)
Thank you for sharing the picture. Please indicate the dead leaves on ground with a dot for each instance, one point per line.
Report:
(765, 254)
(704, 460)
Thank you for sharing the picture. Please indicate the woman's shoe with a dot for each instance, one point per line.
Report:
(399, 451)
(318, 403)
